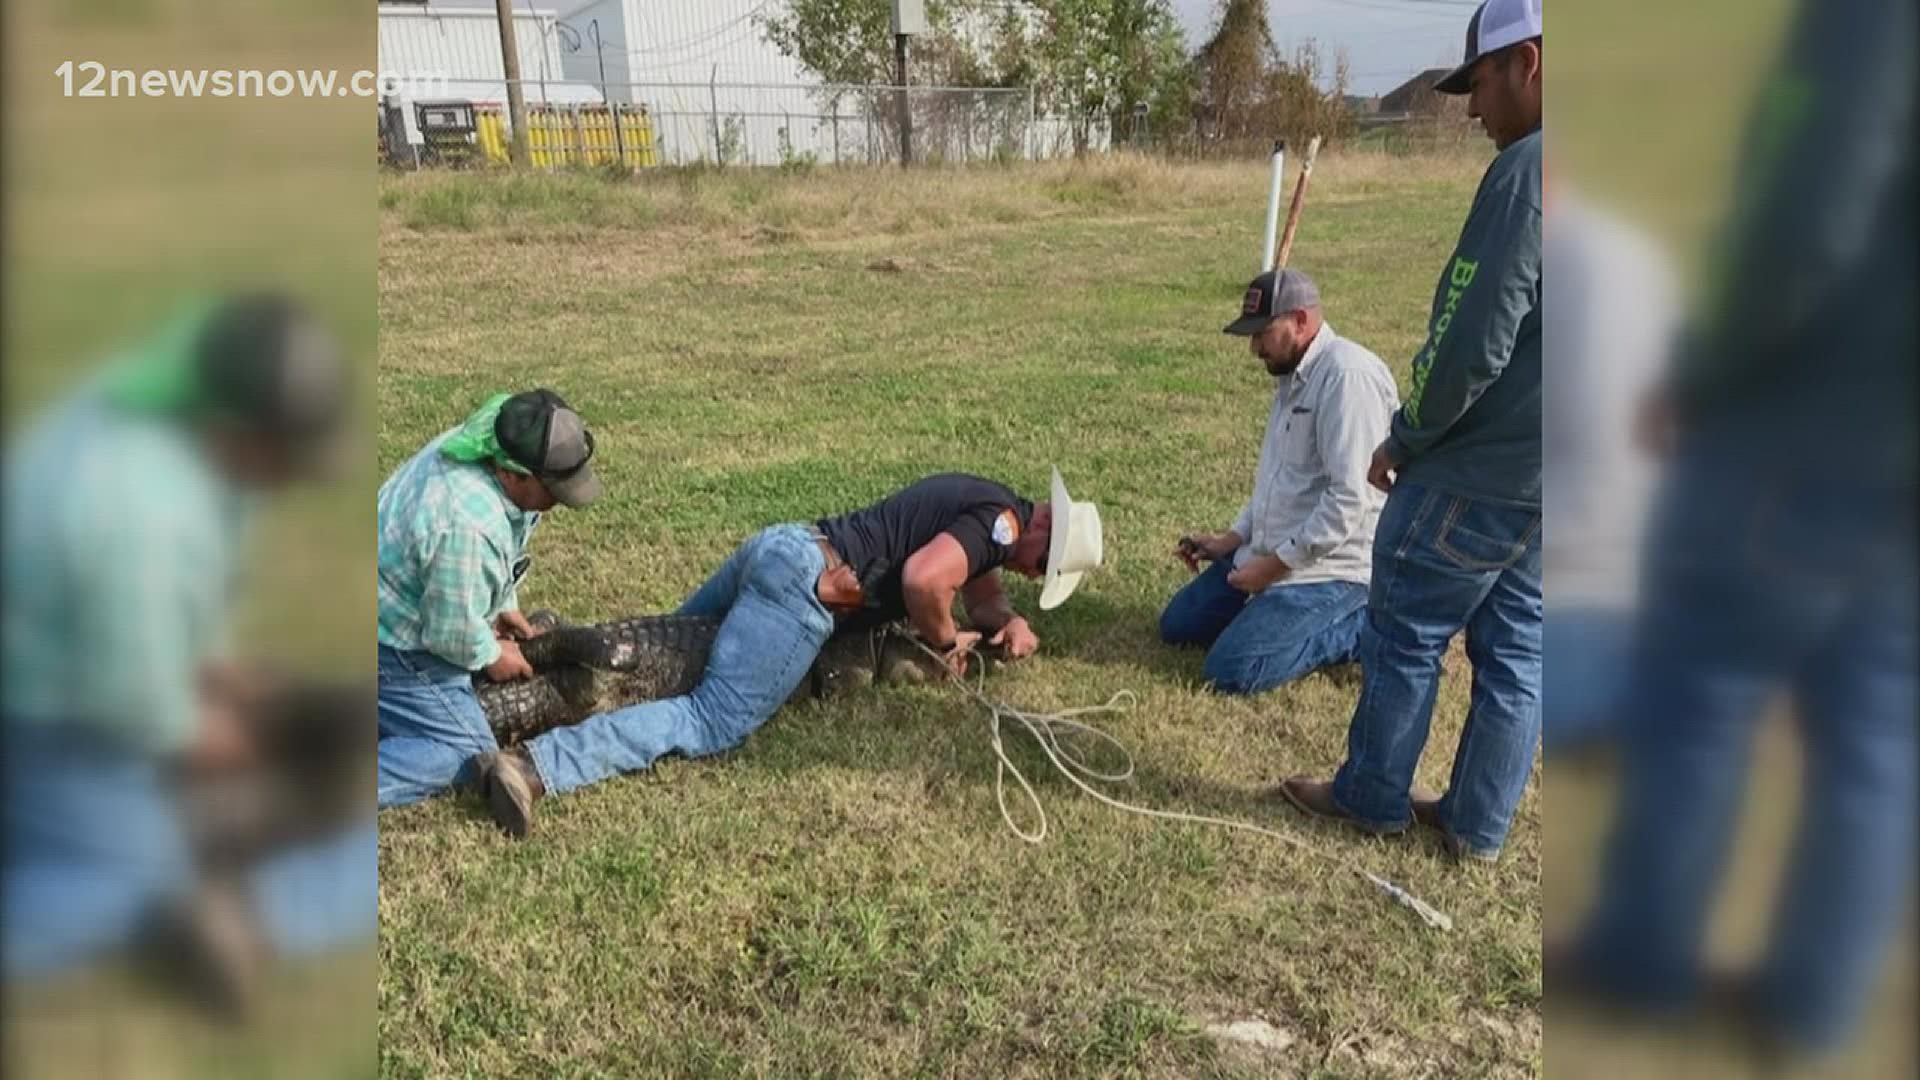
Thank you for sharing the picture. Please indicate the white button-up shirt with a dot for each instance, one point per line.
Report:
(1312, 505)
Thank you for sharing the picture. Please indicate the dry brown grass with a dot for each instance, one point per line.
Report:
(767, 207)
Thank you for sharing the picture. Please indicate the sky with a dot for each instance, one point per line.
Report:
(1387, 41)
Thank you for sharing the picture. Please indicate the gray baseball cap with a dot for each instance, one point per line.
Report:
(1495, 25)
(543, 434)
(1271, 295)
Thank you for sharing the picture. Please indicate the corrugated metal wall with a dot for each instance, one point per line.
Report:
(689, 41)
(464, 45)
(705, 71)
(592, 46)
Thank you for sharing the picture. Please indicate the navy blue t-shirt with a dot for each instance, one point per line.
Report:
(877, 540)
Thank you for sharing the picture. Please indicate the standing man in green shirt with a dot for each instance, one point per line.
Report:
(1458, 544)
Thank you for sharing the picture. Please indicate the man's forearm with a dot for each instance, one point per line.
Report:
(991, 616)
(931, 612)
(465, 645)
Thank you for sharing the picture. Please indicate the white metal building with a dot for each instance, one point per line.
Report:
(703, 68)
(463, 45)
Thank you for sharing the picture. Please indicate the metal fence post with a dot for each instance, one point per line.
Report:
(906, 103)
(713, 99)
(1032, 120)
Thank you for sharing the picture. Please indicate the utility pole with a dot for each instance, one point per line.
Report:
(510, 63)
(909, 18)
(906, 103)
(613, 107)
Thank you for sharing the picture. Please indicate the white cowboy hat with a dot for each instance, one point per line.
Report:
(1074, 547)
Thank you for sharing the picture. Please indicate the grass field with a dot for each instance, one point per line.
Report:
(840, 896)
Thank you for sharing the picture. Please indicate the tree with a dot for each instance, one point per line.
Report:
(1247, 91)
(1100, 59)
(851, 41)
(1093, 61)
(1232, 68)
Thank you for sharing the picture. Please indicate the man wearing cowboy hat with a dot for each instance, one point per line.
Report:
(1287, 592)
(454, 524)
(790, 587)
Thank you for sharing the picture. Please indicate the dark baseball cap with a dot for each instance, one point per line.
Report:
(1272, 295)
(268, 365)
(1495, 25)
(540, 432)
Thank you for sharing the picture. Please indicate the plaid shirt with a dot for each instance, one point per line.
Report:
(449, 541)
(121, 568)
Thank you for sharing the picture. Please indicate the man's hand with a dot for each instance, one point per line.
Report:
(242, 687)
(955, 657)
(231, 697)
(224, 739)
(513, 626)
(1017, 638)
(511, 665)
(1259, 572)
(1381, 469)
(1213, 547)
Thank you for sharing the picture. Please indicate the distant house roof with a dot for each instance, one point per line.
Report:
(1409, 95)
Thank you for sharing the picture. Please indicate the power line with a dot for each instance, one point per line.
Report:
(1388, 4)
(704, 36)
(1397, 7)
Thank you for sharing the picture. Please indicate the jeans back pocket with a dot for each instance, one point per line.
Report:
(1481, 537)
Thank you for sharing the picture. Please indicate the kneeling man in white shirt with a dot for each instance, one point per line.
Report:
(1286, 593)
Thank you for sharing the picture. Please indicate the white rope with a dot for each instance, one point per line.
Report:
(1047, 729)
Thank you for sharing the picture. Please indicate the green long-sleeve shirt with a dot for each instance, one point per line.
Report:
(1471, 420)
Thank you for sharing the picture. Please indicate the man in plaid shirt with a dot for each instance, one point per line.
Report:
(454, 524)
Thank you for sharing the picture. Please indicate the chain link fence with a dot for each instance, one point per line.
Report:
(752, 124)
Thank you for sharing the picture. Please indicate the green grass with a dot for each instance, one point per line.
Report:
(839, 897)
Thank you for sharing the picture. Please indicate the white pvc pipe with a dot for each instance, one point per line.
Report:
(1271, 236)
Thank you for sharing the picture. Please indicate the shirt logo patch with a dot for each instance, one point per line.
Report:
(1006, 528)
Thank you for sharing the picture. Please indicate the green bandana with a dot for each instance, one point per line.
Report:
(161, 375)
(475, 441)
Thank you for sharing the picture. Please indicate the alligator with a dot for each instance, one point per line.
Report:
(313, 771)
(581, 671)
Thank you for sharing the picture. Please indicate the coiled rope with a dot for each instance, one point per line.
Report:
(1047, 729)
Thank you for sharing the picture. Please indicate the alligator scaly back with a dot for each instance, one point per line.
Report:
(582, 671)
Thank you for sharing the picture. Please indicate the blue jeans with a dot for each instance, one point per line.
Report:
(94, 844)
(1760, 581)
(1256, 643)
(431, 726)
(1443, 564)
(772, 629)
(1591, 650)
